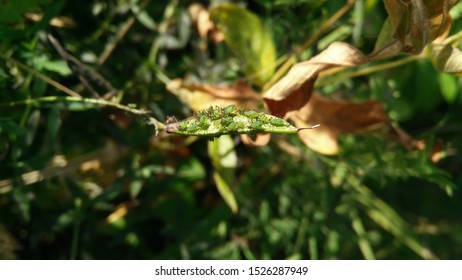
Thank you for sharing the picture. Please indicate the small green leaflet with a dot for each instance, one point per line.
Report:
(216, 121)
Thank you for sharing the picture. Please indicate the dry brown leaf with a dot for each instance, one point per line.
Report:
(415, 23)
(336, 118)
(446, 58)
(340, 117)
(205, 26)
(258, 140)
(436, 153)
(294, 90)
(199, 97)
(59, 22)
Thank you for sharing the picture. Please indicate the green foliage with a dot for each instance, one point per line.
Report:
(248, 37)
(214, 122)
(81, 180)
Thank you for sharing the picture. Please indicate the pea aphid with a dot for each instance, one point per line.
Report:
(182, 126)
(256, 124)
(227, 120)
(215, 121)
(229, 109)
(232, 127)
(193, 128)
(250, 114)
(278, 122)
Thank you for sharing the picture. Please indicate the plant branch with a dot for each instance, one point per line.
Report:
(288, 60)
(71, 99)
(327, 24)
(43, 77)
(363, 71)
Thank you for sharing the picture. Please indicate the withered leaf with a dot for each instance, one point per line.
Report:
(446, 58)
(199, 97)
(413, 24)
(294, 90)
(258, 140)
(336, 118)
(341, 117)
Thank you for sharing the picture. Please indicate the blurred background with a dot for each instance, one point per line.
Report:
(83, 181)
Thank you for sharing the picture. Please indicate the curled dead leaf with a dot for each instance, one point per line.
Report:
(199, 97)
(258, 140)
(336, 118)
(294, 90)
(412, 24)
(341, 117)
(446, 58)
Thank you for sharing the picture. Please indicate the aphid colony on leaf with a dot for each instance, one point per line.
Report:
(216, 121)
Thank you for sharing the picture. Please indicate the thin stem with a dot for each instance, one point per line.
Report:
(162, 28)
(76, 228)
(290, 60)
(123, 30)
(363, 71)
(454, 38)
(328, 24)
(54, 99)
(42, 77)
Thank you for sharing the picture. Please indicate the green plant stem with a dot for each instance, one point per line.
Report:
(364, 71)
(76, 228)
(69, 99)
(328, 24)
(363, 243)
(288, 60)
(42, 77)
(162, 28)
(454, 38)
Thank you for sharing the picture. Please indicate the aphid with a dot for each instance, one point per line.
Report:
(229, 110)
(208, 112)
(202, 119)
(204, 125)
(216, 113)
(256, 124)
(215, 121)
(278, 122)
(227, 120)
(251, 114)
(182, 126)
(192, 128)
(232, 127)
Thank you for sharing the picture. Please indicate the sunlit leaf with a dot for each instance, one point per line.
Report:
(336, 118)
(294, 90)
(224, 160)
(216, 121)
(246, 35)
(199, 97)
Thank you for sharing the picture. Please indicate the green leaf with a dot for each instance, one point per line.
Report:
(449, 87)
(57, 66)
(246, 35)
(215, 121)
(386, 217)
(224, 160)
